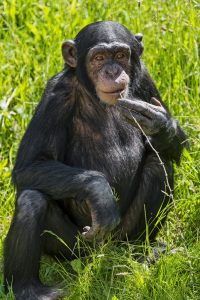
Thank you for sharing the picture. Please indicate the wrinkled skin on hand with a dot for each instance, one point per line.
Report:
(100, 229)
(152, 117)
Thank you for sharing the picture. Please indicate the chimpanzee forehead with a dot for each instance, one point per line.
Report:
(110, 46)
(102, 32)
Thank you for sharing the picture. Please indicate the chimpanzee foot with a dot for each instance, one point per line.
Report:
(38, 292)
(157, 251)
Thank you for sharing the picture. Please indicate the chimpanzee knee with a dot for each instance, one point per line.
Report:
(30, 204)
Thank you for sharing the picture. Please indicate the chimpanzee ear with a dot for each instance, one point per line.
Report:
(69, 53)
(139, 37)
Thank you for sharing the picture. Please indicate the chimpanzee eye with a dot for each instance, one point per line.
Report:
(119, 55)
(99, 57)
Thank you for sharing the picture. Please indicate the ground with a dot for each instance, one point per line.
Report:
(30, 45)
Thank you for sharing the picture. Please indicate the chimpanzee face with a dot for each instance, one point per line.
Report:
(108, 67)
(105, 56)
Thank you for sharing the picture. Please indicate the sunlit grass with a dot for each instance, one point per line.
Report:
(31, 33)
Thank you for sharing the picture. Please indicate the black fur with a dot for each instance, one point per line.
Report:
(74, 151)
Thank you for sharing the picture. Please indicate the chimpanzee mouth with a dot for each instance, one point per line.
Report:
(111, 96)
(115, 92)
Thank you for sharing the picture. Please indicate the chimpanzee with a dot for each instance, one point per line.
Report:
(86, 164)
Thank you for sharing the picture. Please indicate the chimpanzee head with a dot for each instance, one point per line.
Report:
(106, 56)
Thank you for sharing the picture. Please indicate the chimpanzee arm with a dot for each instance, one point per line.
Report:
(163, 131)
(57, 180)
(170, 139)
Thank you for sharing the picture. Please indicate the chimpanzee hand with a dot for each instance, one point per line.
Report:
(151, 117)
(103, 207)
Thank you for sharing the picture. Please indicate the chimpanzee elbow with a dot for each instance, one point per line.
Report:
(17, 178)
(174, 152)
(178, 149)
(179, 143)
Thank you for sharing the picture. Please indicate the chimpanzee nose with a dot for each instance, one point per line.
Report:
(112, 70)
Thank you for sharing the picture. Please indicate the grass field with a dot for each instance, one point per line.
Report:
(31, 33)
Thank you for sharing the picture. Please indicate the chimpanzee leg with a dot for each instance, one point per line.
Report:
(23, 248)
(60, 234)
(150, 198)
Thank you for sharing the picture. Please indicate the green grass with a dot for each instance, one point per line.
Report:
(31, 33)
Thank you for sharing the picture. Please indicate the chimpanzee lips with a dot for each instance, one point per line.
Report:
(114, 92)
(111, 96)
(118, 91)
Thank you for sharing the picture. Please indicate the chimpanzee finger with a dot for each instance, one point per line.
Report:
(147, 109)
(90, 233)
(155, 102)
(149, 126)
(129, 103)
(96, 232)
(86, 228)
(134, 118)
